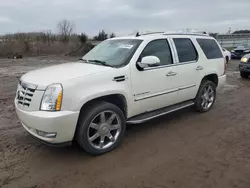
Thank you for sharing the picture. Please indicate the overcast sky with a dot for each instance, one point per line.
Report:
(124, 16)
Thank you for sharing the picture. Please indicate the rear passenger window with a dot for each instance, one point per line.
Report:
(159, 48)
(185, 49)
(210, 48)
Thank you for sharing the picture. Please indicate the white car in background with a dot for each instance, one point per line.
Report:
(226, 54)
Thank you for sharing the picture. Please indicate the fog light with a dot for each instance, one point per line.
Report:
(46, 134)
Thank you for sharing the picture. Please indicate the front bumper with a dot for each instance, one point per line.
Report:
(244, 67)
(63, 123)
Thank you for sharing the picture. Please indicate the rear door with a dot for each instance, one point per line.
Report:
(188, 66)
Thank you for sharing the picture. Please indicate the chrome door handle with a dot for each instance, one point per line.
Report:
(171, 73)
(199, 68)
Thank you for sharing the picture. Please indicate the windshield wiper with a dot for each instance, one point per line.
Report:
(100, 62)
(81, 59)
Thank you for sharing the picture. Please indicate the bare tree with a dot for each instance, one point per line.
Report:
(65, 28)
(83, 38)
(102, 35)
(112, 35)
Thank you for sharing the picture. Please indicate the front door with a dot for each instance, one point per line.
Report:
(154, 87)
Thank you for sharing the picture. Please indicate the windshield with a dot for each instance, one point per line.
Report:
(115, 53)
(245, 45)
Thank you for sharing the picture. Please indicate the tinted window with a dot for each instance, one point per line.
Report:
(160, 49)
(210, 48)
(185, 49)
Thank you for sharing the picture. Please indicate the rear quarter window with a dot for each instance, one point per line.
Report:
(210, 48)
(185, 50)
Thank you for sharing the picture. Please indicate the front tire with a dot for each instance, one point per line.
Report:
(244, 75)
(206, 96)
(100, 128)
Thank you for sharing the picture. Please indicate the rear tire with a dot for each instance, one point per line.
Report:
(227, 59)
(100, 128)
(206, 96)
(244, 75)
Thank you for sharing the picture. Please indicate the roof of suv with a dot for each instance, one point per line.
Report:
(163, 35)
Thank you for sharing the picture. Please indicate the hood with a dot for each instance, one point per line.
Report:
(247, 56)
(240, 48)
(59, 73)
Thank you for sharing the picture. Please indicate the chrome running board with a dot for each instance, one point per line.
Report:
(157, 113)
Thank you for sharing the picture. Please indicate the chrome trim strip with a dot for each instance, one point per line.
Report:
(163, 93)
(138, 94)
(164, 113)
(26, 84)
(156, 95)
(158, 67)
(186, 87)
(170, 65)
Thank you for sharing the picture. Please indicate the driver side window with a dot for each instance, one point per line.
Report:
(159, 48)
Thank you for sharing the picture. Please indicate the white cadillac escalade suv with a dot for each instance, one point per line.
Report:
(122, 80)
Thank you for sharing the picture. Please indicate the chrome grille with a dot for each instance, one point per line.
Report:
(25, 93)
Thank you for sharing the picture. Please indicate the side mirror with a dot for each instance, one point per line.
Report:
(149, 61)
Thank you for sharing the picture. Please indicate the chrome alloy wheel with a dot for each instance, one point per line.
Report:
(207, 97)
(104, 130)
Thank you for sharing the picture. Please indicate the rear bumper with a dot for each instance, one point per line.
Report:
(221, 82)
(244, 67)
(62, 123)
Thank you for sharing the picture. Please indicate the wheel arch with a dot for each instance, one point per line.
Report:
(213, 77)
(117, 99)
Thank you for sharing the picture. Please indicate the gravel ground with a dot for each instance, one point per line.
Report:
(185, 149)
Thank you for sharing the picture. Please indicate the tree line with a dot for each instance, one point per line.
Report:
(65, 34)
(64, 41)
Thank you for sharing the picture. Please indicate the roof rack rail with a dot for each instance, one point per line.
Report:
(197, 33)
(202, 33)
(150, 33)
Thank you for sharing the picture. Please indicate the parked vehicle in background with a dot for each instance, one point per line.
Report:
(244, 66)
(240, 50)
(227, 54)
(122, 80)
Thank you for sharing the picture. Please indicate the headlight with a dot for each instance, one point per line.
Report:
(247, 51)
(244, 59)
(232, 50)
(52, 98)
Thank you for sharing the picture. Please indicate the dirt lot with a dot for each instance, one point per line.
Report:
(182, 150)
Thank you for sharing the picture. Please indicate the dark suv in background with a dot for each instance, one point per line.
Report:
(244, 66)
(240, 50)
